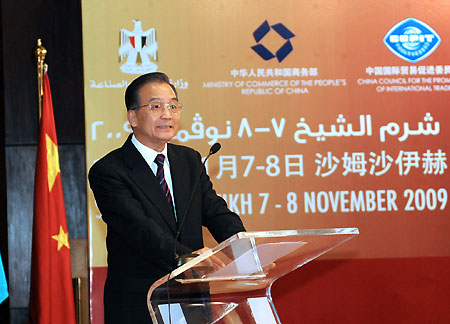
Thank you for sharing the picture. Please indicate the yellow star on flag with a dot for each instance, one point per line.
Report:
(62, 238)
(52, 161)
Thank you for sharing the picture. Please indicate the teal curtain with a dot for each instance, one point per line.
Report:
(3, 286)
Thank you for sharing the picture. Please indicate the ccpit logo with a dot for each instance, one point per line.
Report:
(412, 40)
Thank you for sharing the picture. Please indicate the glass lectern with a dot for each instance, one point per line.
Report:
(231, 282)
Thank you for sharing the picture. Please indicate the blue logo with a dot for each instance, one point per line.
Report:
(262, 31)
(412, 40)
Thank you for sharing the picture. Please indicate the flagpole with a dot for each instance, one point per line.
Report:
(40, 53)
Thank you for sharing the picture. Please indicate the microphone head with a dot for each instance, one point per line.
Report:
(215, 148)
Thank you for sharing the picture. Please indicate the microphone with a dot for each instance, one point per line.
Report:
(183, 259)
(213, 150)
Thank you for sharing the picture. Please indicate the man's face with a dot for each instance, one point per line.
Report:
(154, 129)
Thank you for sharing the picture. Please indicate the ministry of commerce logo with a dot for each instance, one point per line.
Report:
(262, 50)
(412, 40)
(138, 47)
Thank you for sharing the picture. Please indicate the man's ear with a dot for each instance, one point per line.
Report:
(131, 115)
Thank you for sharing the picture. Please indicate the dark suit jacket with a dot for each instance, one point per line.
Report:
(141, 226)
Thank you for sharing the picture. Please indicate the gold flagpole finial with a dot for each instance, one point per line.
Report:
(40, 53)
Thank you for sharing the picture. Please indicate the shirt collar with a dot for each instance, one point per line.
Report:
(148, 153)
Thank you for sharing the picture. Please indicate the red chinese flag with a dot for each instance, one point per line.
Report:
(51, 295)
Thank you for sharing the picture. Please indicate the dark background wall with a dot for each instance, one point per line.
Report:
(58, 24)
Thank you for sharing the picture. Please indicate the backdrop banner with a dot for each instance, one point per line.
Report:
(330, 113)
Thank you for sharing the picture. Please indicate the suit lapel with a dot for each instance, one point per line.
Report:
(180, 180)
(143, 177)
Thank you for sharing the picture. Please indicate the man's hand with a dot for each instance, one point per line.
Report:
(213, 261)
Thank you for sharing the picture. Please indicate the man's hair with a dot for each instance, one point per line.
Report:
(132, 92)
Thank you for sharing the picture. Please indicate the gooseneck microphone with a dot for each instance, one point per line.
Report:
(213, 150)
(180, 260)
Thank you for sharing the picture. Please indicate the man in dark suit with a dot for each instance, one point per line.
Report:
(142, 215)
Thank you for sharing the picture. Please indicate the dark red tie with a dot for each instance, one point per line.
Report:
(159, 160)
